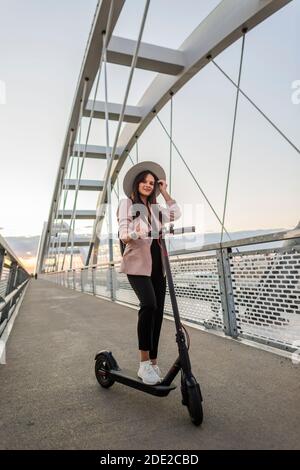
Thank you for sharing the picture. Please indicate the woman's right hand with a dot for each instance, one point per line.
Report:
(142, 231)
(138, 232)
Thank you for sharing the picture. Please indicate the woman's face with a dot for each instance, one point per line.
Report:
(147, 186)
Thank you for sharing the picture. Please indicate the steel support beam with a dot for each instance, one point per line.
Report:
(132, 113)
(89, 214)
(69, 251)
(88, 70)
(92, 151)
(77, 242)
(151, 57)
(84, 185)
(226, 291)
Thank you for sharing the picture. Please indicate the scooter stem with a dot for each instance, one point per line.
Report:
(180, 337)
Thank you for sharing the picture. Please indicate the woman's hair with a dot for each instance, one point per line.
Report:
(136, 199)
(135, 195)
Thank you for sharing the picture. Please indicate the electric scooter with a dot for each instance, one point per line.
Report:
(108, 371)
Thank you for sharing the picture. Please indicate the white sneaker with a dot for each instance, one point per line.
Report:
(147, 373)
(158, 371)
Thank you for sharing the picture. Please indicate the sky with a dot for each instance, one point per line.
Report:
(41, 49)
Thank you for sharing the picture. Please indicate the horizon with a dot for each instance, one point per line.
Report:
(263, 189)
(29, 258)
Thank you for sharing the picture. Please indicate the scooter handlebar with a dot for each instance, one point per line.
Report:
(175, 231)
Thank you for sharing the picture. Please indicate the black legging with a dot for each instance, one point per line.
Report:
(151, 291)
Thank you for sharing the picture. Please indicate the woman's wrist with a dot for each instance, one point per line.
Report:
(167, 196)
(133, 235)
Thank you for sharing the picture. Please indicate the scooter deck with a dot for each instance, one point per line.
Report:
(129, 377)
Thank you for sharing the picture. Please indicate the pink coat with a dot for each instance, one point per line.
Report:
(137, 254)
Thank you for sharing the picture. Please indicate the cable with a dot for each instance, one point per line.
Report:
(77, 185)
(256, 107)
(190, 172)
(233, 134)
(69, 174)
(171, 139)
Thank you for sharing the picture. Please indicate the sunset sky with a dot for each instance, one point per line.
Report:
(41, 48)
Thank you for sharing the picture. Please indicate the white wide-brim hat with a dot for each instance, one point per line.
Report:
(138, 168)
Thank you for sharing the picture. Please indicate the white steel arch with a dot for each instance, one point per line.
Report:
(221, 28)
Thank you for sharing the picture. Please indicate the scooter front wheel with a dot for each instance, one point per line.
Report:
(194, 404)
(102, 371)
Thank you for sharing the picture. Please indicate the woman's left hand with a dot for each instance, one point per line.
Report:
(162, 185)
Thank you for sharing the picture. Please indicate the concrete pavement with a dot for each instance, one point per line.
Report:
(49, 397)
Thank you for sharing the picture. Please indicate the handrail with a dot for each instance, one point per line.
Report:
(12, 255)
(13, 294)
(257, 239)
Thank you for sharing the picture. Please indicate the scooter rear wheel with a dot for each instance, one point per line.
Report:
(194, 404)
(101, 372)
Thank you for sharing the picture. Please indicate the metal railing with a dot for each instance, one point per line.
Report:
(252, 292)
(13, 279)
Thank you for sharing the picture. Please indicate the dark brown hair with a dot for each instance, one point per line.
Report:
(136, 199)
(135, 195)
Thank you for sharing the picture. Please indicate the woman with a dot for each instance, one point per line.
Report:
(140, 219)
